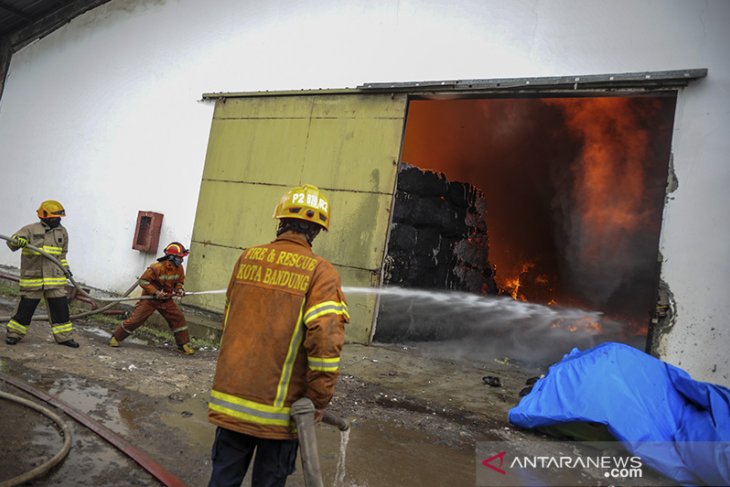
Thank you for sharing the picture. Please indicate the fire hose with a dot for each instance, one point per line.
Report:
(111, 302)
(302, 411)
(55, 459)
(139, 456)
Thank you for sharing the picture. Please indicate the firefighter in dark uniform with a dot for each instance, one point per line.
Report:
(40, 278)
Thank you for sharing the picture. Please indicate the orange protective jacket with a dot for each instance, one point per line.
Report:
(283, 331)
(162, 276)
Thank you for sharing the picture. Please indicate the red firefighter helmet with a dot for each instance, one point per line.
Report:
(176, 248)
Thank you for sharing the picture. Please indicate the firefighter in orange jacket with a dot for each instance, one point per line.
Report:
(164, 279)
(40, 277)
(282, 335)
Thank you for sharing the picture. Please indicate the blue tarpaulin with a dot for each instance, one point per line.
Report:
(678, 426)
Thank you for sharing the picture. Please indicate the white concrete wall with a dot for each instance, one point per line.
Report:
(105, 113)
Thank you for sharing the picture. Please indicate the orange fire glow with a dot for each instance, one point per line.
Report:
(609, 175)
(574, 190)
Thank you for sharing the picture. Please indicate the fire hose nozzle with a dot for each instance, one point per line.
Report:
(339, 423)
(305, 406)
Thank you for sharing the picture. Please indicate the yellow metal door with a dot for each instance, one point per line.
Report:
(347, 144)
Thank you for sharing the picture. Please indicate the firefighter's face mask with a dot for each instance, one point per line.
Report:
(176, 260)
(52, 222)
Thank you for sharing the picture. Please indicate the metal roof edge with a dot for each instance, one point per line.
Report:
(672, 78)
(638, 80)
(308, 92)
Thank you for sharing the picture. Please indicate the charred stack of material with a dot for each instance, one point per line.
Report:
(438, 240)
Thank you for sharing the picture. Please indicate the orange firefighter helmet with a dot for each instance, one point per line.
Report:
(304, 202)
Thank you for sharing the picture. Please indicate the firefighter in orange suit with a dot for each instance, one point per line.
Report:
(164, 280)
(282, 335)
(41, 277)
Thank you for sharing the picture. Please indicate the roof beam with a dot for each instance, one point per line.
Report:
(15, 11)
(5, 55)
(45, 25)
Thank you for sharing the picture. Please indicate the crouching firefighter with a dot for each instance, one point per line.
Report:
(41, 278)
(164, 280)
(283, 331)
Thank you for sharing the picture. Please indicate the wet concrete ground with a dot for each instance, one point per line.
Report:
(416, 417)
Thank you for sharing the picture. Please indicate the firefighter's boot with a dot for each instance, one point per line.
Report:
(114, 342)
(186, 349)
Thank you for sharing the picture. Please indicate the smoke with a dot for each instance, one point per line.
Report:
(605, 217)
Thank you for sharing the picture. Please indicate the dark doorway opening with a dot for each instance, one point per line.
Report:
(573, 192)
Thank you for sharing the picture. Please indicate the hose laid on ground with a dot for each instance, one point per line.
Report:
(136, 454)
(56, 459)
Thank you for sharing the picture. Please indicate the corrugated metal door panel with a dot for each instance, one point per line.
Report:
(347, 144)
(260, 150)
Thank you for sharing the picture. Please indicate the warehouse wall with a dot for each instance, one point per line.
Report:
(105, 113)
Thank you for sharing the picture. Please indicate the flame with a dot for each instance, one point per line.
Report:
(512, 285)
(585, 325)
(609, 182)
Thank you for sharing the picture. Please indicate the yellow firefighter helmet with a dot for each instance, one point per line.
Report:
(304, 202)
(51, 209)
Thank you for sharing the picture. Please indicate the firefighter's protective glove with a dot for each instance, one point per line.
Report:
(180, 292)
(162, 295)
(68, 273)
(20, 242)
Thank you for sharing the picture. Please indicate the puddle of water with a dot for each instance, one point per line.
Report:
(28, 439)
(97, 402)
(190, 418)
(24, 430)
(380, 455)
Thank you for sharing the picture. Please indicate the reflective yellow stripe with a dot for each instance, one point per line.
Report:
(324, 364)
(326, 308)
(169, 277)
(45, 281)
(62, 328)
(27, 251)
(246, 410)
(17, 327)
(64, 262)
(29, 282)
(49, 249)
(143, 282)
(291, 355)
(225, 322)
(54, 280)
